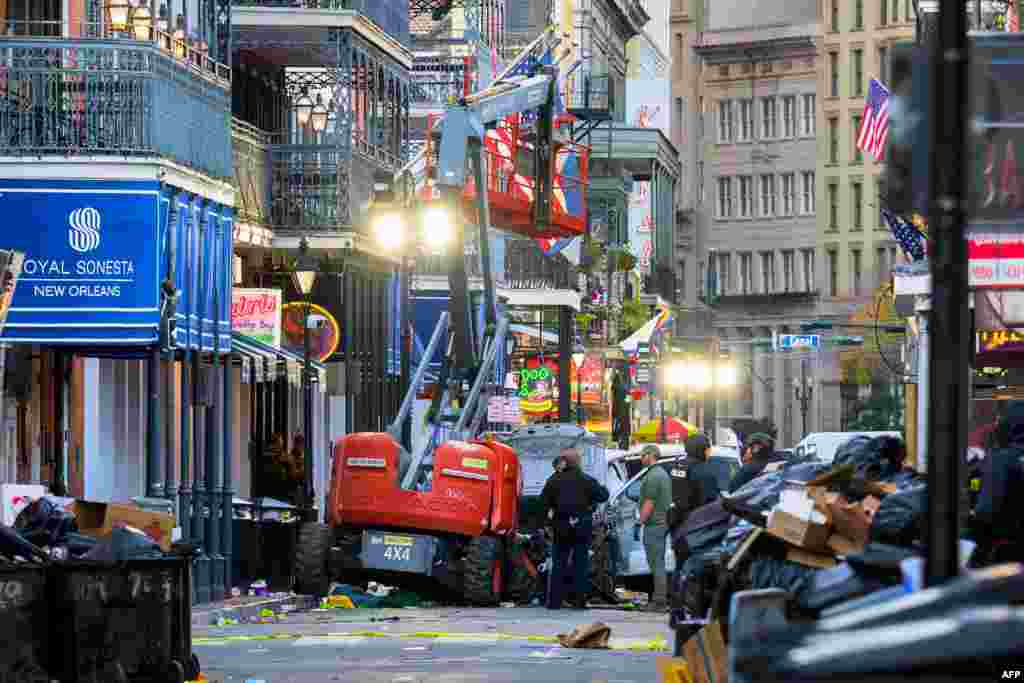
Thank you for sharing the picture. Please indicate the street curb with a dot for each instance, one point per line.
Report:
(208, 616)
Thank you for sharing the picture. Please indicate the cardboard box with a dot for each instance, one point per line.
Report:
(15, 498)
(809, 559)
(841, 545)
(706, 655)
(851, 520)
(799, 532)
(99, 519)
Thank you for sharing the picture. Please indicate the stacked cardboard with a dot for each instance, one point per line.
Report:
(819, 525)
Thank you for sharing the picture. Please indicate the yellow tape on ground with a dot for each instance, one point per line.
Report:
(654, 645)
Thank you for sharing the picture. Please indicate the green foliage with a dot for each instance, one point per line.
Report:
(634, 315)
(882, 412)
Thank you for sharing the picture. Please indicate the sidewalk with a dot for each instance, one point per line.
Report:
(247, 608)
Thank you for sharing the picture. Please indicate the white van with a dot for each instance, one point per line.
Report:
(823, 445)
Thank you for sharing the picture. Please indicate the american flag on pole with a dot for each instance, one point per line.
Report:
(910, 239)
(874, 127)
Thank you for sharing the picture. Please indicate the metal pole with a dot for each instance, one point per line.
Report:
(185, 488)
(406, 304)
(950, 347)
(227, 489)
(154, 461)
(711, 398)
(307, 418)
(579, 394)
(564, 358)
(923, 308)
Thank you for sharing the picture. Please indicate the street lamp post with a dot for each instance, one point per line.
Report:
(578, 358)
(804, 394)
(305, 277)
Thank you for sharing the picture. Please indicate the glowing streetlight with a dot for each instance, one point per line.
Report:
(727, 375)
(390, 231)
(142, 23)
(304, 109)
(318, 115)
(438, 227)
(119, 12)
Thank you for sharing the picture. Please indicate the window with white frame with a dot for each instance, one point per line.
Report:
(746, 196)
(789, 116)
(788, 193)
(768, 271)
(725, 121)
(807, 204)
(746, 274)
(746, 120)
(725, 198)
(724, 266)
(808, 257)
(769, 119)
(788, 271)
(807, 128)
(767, 195)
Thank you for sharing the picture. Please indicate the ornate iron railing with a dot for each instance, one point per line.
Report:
(116, 97)
(526, 267)
(250, 150)
(392, 17)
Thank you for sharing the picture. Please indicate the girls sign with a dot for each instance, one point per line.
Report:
(256, 313)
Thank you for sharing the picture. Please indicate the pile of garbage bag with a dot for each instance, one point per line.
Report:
(45, 530)
(820, 532)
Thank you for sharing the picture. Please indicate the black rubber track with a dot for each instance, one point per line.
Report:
(311, 577)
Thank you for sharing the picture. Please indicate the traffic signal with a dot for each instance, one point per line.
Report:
(10, 269)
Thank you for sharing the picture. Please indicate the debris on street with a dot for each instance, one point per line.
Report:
(593, 636)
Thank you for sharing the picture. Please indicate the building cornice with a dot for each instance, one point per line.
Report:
(732, 53)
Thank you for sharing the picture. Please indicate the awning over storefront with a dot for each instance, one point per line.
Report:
(256, 355)
(96, 253)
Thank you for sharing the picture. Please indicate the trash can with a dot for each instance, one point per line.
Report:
(123, 621)
(24, 623)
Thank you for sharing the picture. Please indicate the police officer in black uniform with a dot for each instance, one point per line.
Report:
(569, 497)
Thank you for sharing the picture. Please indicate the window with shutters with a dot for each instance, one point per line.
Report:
(769, 119)
(725, 207)
(746, 274)
(833, 69)
(857, 204)
(767, 195)
(746, 196)
(883, 63)
(834, 20)
(857, 87)
(855, 271)
(789, 116)
(883, 14)
(833, 206)
(808, 257)
(808, 192)
(882, 263)
(788, 271)
(807, 128)
(858, 15)
(788, 193)
(725, 121)
(833, 272)
(768, 271)
(857, 155)
(724, 268)
(833, 140)
(746, 120)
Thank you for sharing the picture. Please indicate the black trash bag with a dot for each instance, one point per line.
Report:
(769, 572)
(45, 522)
(874, 459)
(705, 528)
(13, 545)
(763, 492)
(900, 518)
(124, 544)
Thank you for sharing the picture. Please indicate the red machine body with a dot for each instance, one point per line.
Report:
(475, 487)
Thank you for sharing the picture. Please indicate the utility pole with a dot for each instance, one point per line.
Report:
(949, 347)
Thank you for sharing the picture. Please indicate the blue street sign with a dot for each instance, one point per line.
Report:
(799, 341)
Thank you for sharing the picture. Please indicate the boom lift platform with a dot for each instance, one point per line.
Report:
(447, 513)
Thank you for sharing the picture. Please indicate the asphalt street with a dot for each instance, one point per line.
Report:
(436, 645)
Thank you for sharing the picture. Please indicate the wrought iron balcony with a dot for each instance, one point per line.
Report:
(526, 267)
(392, 17)
(250, 148)
(110, 96)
